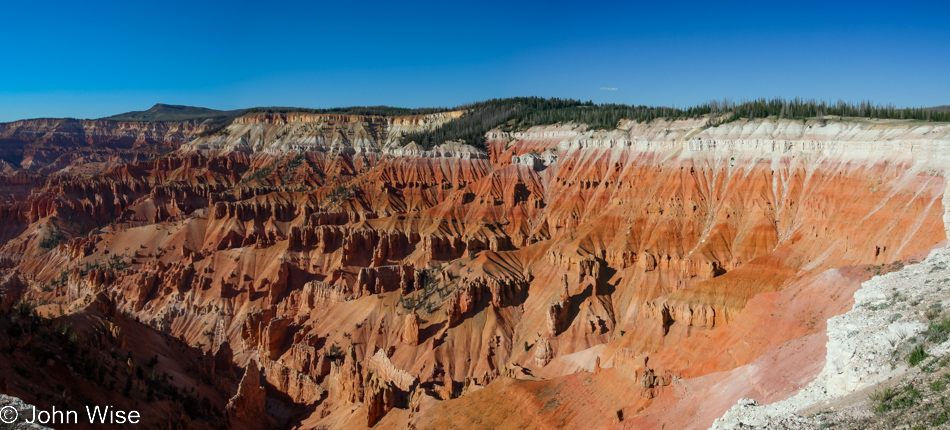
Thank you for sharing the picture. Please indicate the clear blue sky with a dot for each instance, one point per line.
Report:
(92, 59)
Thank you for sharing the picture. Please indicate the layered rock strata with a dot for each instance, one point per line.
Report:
(559, 267)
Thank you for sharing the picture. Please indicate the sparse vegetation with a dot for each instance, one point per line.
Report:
(107, 368)
(335, 352)
(259, 174)
(340, 194)
(292, 165)
(916, 355)
(424, 297)
(938, 385)
(890, 398)
(938, 332)
(220, 129)
(933, 312)
(52, 239)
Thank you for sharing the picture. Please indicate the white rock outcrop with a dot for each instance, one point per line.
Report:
(861, 342)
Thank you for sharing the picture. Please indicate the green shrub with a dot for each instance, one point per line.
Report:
(938, 332)
(939, 418)
(882, 398)
(916, 355)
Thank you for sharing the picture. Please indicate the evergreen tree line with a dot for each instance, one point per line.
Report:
(519, 113)
(801, 109)
(352, 110)
(522, 112)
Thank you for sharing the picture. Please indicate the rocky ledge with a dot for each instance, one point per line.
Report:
(896, 325)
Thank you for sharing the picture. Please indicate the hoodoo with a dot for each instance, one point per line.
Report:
(359, 274)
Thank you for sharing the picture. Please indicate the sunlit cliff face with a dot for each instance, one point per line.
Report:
(589, 278)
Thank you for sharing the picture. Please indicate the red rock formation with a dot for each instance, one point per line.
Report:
(378, 398)
(635, 254)
(299, 386)
(558, 312)
(61, 143)
(543, 353)
(410, 332)
(248, 404)
(346, 379)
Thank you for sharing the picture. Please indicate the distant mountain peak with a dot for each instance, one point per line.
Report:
(163, 106)
(161, 112)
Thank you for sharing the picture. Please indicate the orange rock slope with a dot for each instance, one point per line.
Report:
(564, 278)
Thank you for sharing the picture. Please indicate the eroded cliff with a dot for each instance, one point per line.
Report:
(588, 277)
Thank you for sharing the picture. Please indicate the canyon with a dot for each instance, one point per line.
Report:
(307, 270)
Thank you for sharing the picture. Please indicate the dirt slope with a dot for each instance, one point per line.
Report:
(592, 278)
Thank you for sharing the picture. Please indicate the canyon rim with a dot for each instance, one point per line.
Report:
(294, 268)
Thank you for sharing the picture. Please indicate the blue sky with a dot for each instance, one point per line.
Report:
(93, 59)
